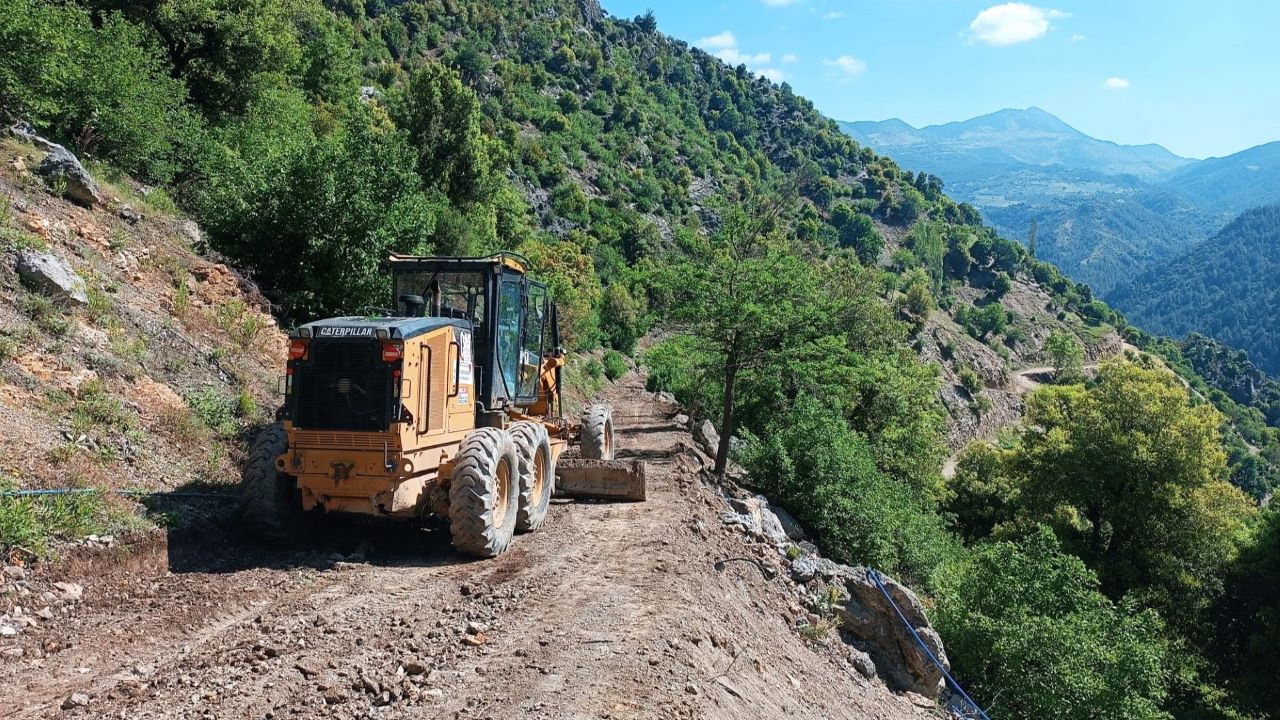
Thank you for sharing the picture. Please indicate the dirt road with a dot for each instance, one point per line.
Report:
(609, 611)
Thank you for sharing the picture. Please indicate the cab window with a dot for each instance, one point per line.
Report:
(509, 310)
(535, 317)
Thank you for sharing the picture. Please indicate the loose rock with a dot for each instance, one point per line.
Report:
(52, 276)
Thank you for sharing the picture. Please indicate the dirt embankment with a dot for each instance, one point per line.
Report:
(609, 611)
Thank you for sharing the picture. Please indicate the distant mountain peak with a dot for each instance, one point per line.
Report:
(1007, 139)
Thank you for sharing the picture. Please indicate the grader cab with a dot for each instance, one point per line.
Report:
(450, 404)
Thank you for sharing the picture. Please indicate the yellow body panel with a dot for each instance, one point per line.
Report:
(391, 472)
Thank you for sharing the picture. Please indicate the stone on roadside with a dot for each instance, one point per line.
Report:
(706, 436)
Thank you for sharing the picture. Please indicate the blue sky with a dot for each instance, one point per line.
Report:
(1201, 78)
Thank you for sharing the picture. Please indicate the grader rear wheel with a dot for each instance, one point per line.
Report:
(597, 433)
(537, 473)
(484, 494)
(270, 504)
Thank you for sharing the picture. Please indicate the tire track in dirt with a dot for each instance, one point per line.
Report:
(609, 610)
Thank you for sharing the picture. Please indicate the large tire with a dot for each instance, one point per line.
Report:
(537, 473)
(484, 493)
(597, 433)
(270, 502)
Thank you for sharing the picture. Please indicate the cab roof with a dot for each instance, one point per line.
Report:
(356, 327)
(511, 260)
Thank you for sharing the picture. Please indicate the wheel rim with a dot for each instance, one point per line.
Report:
(539, 475)
(502, 486)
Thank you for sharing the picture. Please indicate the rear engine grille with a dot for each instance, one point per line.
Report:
(342, 385)
(343, 440)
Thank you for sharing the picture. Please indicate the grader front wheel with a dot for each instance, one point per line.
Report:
(597, 433)
(484, 493)
(537, 473)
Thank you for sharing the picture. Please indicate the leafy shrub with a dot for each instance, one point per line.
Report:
(1026, 624)
(615, 365)
(826, 475)
(215, 412)
(971, 381)
(45, 313)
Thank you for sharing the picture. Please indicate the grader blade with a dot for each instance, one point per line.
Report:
(621, 480)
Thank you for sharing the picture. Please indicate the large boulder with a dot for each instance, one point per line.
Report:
(81, 187)
(706, 435)
(61, 163)
(869, 617)
(790, 526)
(51, 275)
(753, 515)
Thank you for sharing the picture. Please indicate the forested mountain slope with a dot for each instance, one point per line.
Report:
(1231, 184)
(848, 321)
(1224, 287)
(1104, 212)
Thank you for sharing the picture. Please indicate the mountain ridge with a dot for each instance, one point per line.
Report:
(1106, 212)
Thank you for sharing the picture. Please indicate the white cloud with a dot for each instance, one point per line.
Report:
(1012, 23)
(1078, 38)
(847, 64)
(789, 58)
(1115, 83)
(725, 46)
(735, 57)
(779, 3)
(832, 14)
(718, 41)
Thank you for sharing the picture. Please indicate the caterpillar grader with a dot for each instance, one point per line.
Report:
(450, 404)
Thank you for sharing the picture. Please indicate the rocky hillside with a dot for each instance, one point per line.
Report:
(129, 360)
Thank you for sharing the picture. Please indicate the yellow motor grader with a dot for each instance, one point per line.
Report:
(451, 404)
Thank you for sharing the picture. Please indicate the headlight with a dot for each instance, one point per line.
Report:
(382, 333)
(304, 332)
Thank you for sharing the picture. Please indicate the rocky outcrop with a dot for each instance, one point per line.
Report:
(882, 641)
(62, 165)
(51, 275)
(869, 617)
(706, 436)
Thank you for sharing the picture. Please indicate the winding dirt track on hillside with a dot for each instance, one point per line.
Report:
(609, 611)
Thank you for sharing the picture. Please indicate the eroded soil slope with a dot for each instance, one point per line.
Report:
(608, 611)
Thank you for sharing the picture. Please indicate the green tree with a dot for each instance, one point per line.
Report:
(745, 294)
(1136, 476)
(927, 242)
(1028, 630)
(332, 211)
(857, 231)
(229, 52)
(442, 118)
(1247, 637)
(981, 495)
(620, 317)
(105, 91)
(1067, 356)
(826, 473)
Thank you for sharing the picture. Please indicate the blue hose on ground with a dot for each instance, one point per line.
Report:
(129, 493)
(875, 575)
